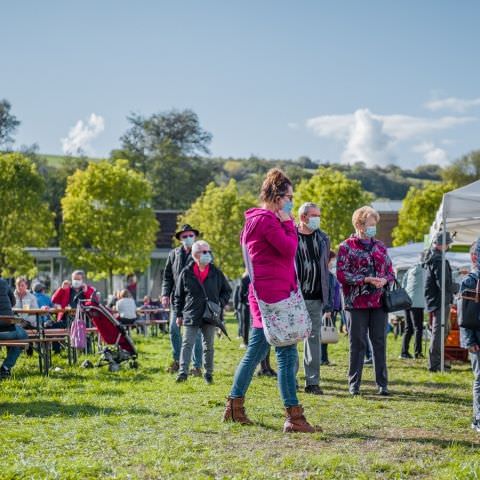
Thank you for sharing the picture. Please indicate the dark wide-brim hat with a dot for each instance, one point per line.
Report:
(186, 228)
(438, 239)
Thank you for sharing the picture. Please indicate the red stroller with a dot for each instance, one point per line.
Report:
(120, 347)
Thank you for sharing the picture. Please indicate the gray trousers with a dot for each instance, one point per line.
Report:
(312, 345)
(372, 322)
(475, 360)
(435, 352)
(208, 338)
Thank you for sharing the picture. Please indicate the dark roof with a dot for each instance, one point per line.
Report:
(168, 227)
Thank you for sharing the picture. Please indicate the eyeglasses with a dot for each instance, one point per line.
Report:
(205, 251)
(290, 197)
(187, 236)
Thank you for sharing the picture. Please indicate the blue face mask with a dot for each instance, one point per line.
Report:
(288, 207)
(206, 258)
(313, 223)
(188, 241)
(370, 232)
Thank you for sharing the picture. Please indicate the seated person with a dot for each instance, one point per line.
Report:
(9, 331)
(25, 300)
(69, 294)
(126, 308)
(43, 300)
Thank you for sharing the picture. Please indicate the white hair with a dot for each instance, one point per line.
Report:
(303, 210)
(79, 272)
(199, 245)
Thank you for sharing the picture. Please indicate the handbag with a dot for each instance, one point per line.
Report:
(469, 308)
(78, 331)
(396, 298)
(328, 332)
(285, 322)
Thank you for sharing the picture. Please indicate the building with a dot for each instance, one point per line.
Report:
(388, 210)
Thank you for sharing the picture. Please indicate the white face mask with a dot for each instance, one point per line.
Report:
(77, 283)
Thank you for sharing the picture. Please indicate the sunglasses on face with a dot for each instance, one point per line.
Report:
(187, 236)
(205, 251)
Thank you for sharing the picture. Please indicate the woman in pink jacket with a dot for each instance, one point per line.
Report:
(270, 237)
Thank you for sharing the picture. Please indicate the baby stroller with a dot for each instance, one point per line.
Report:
(120, 347)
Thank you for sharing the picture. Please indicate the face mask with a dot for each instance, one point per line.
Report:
(370, 232)
(77, 283)
(313, 223)
(288, 207)
(188, 241)
(206, 258)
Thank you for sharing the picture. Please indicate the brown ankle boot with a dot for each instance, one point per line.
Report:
(296, 421)
(235, 412)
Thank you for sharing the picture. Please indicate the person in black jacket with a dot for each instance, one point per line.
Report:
(433, 296)
(242, 308)
(200, 280)
(9, 331)
(177, 259)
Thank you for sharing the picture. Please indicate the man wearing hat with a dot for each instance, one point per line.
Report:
(176, 261)
(433, 296)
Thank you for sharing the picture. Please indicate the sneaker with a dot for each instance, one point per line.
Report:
(368, 361)
(174, 367)
(208, 378)
(383, 391)
(313, 389)
(354, 391)
(476, 425)
(196, 372)
(181, 378)
(419, 355)
(5, 372)
(405, 356)
(325, 362)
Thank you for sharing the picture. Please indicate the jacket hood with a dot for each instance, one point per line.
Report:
(255, 212)
(252, 217)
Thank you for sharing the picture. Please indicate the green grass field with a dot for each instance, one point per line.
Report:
(91, 424)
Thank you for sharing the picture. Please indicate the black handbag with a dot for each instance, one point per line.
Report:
(469, 308)
(396, 298)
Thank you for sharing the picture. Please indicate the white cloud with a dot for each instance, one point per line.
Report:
(80, 136)
(432, 154)
(370, 138)
(454, 104)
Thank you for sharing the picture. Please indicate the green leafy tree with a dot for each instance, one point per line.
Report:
(219, 215)
(337, 196)
(8, 123)
(166, 148)
(418, 212)
(464, 170)
(109, 225)
(25, 220)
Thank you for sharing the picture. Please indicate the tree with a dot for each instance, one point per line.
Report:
(25, 220)
(337, 196)
(109, 225)
(219, 215)
(464, 170)
(166, 148)
(8, 123)
(418, 212)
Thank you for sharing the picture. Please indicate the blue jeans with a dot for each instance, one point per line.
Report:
(13, 352)
(475, 360)
(176, 339)
(287, 358)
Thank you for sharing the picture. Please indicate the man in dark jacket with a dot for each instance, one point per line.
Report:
(433, 296)
(177, 259)
(200, 280)
(242, 308)
(8, 330)
(470, 338)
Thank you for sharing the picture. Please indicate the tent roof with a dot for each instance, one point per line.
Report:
(461, 208)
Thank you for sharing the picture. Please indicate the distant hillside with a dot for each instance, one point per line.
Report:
(56, 160)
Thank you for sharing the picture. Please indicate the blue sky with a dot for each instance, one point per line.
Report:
(376, 81)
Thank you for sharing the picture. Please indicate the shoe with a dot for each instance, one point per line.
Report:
(235, 411)
(405, 356)
(383, 391)
(196, 372)
(476, 425)
(5, 372)
(296, 421)
(174, 367)
(354, 391)
(326, 362)
(313, 389)
(181, 378)
(208, 378)
(272, 373)
(419, 355)
(368, 361)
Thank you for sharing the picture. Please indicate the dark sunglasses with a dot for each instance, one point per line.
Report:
(205, 251)
(187, 236)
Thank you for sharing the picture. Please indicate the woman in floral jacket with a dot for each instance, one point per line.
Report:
(363, 269)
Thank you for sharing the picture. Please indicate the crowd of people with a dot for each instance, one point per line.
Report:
(290, 266)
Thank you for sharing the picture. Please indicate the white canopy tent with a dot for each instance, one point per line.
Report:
(459, 214)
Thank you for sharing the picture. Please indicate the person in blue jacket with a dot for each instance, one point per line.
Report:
(469, 338)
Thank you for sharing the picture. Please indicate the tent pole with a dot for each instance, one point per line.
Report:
(443, 293)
